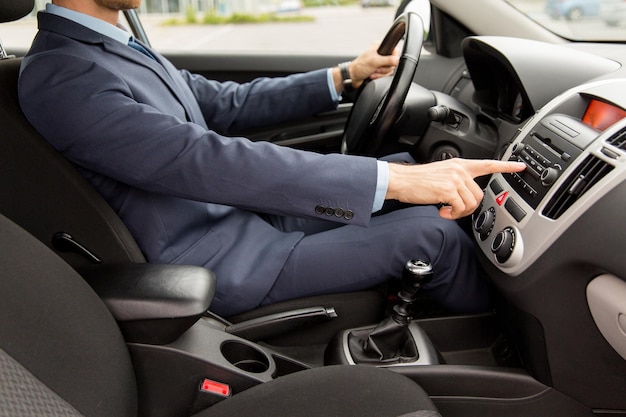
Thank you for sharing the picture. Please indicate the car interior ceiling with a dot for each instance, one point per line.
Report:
(287, 358)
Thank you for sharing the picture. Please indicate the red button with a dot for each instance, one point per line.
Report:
(500, 199)
(215, 387)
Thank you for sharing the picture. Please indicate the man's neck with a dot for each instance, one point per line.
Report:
(90, 8)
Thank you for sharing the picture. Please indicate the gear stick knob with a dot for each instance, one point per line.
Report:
(416, 274)
(390, 341)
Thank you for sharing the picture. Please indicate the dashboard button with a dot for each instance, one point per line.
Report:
(516, 211)
(496, 187)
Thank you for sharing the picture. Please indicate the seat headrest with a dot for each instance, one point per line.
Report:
(15, 9)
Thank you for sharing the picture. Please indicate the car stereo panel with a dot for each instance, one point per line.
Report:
(575, 152)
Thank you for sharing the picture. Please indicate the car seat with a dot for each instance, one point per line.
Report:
(61, 353)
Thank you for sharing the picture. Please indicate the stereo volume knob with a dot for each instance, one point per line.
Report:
(503, 244)
(549, 175)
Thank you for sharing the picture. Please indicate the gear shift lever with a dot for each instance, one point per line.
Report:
(416, 274)
(390, 340)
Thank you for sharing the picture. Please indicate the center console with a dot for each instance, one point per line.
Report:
(551, 239)
(572, 150)
(185, 358)
(203, 366)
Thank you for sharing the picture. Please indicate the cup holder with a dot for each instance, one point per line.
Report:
(245, 357)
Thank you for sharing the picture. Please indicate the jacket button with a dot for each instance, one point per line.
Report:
(348, 215)
(320, 209)
(330, 211)
(339, 212)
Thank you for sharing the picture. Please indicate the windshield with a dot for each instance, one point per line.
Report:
(581, 20)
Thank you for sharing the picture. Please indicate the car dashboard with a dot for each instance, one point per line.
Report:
(551, 237)
(573, 149)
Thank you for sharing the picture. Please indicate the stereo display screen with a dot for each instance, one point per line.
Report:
(601, 115)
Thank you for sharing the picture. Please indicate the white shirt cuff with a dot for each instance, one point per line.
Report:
(331, 86)
(382, 183)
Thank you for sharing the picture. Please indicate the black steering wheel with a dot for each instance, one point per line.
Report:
(379, 102)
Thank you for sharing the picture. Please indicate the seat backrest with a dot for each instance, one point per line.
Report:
(41, 191)
(59, 345)
(46, 195)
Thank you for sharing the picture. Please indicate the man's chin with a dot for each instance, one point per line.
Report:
(119, 5)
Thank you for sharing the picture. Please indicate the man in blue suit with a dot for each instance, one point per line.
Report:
(272, 222)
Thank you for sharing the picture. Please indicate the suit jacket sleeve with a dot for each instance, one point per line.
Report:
(121, 123)
(231, 107)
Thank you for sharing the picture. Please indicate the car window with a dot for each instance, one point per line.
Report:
(313, 26)
(289, 26)
(582, 20)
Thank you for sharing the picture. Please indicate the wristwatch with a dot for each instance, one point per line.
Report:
(345, 76)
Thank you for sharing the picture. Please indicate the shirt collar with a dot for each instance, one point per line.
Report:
(90, 22)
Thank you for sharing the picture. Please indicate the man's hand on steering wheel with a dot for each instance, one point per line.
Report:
(379, 102)
(369, 65)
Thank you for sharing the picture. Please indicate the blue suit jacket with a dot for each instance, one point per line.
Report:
(139, 132)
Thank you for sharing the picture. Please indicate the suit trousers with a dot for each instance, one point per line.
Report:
(334, 258)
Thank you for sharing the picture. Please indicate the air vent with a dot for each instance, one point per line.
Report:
(585, 176)
(618, 140)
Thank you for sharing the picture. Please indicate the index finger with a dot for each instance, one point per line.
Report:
(478, 168)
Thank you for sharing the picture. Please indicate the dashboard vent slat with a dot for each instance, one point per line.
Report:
(618, 140)
(585, 176)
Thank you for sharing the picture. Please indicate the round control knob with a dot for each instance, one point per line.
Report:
(517, 149)
(503, 244)
(549, 175)
(484, 223)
